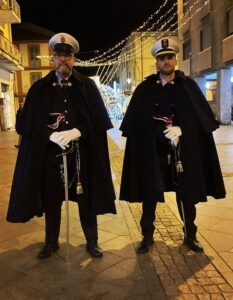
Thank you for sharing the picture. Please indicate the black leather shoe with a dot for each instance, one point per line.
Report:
(47, 250)
(94, 250)
(144, 245)
(193, 244)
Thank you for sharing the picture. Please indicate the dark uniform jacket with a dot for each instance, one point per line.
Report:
(18, 118)
(90, 117)
(142, 178)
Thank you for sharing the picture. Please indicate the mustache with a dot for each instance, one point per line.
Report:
(63, 64)
(167, 65)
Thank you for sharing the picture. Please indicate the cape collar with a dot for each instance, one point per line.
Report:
(52, 76)
(156, 77)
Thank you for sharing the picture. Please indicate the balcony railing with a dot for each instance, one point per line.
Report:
(9, 55)
(3, 2)
(185, 66)
(203, 60)
(10, 13)
(227, 48)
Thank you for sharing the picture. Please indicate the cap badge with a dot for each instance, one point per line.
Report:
(62, 39)
(164, 43)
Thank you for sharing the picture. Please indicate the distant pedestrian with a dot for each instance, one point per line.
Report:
(170, 146)
(17, 122)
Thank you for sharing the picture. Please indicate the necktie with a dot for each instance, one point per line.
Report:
(64, 83)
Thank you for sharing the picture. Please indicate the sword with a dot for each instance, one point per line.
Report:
(179, 170)
(184, 221)
(66, 186)
(79, 188)
(64, 156)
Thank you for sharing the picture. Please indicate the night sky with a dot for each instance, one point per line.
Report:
(97, 24)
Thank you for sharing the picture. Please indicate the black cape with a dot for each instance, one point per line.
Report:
(142, 178)
(26, 193)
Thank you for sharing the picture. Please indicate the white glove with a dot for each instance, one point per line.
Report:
(63, 138)
(173, 133)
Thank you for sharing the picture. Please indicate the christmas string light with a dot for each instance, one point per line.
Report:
(130, 54)
(138, 29)
(97, 71)
(102, 71)
(109, 66)
(189, 18)
(98, 60)
(111, 74)
(112, 61)
(142, 35)
(87, 64)
(153, 25)
(120, 59)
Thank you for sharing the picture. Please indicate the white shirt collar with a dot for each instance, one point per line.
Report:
(60, 78)
(164, 81)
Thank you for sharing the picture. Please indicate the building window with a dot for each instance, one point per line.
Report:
(186, 6)
(205, 34)
(33, 52)
(186, 45)
(230, 22)
(211, 88)
(34, 76)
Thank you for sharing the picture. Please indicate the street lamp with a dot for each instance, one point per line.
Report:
(129, 80)
(128, 86)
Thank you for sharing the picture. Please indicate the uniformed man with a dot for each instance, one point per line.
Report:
(63, 112)
(17, 121)
(170, 146)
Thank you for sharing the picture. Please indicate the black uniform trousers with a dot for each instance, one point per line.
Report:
(53, 221)
(53, 194)
(148, 217)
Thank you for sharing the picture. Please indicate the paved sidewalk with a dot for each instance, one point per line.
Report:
(119, 275)
(186, 275)
(169, 271)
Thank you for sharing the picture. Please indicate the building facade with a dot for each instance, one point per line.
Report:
(10, 61)
(140, 63)
(32, 42)
(206, 40)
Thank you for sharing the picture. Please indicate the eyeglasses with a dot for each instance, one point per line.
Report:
(63, 55)
(168, 56)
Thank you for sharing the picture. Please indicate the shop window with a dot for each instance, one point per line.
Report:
(211, 90)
